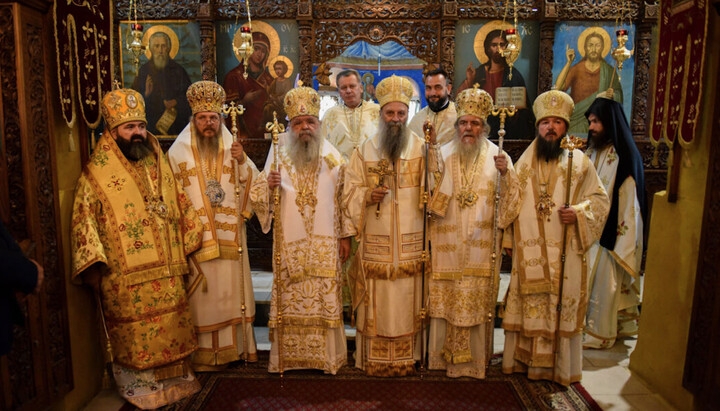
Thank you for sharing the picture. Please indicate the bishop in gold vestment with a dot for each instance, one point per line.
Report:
(220, 285)
(383, 195)
(311, 240)
(132, 229)
(531, 335)
(463, 285)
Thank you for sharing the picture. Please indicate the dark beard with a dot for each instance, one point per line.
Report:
(548, 150)
(597, 141)
(437, 105)
(393, 138)
(135, 150)
(498, 58)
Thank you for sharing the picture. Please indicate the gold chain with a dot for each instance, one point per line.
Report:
(210, 170)
(154, 204)
(305, 182)
(467, 181)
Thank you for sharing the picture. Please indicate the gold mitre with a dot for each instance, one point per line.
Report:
(474, 102)
(205, 96)
(394, 88)
(302, 101)
(122, 105)
(553, 103)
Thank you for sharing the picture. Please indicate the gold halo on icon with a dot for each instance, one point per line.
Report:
(175, 43)
(478, 45)
(271, 66)
(266, 29)
(607, 43)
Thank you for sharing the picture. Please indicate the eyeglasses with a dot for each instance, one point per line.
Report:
(208, 119)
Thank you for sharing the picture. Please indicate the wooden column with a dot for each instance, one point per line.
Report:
(447, 39)
(305, 24)
(545, 65)
(38, 369)
(207, 41)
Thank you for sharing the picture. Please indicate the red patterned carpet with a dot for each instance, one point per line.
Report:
(251, 387)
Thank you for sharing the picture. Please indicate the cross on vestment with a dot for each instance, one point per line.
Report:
(185, 173)
(383, 169)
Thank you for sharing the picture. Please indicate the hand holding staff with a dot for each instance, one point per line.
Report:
(503, 113)
(569, 143)
(233, 111)
(276, 128)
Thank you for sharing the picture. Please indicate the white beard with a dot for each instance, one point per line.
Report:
(301, 153)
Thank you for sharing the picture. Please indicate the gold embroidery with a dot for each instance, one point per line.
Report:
(446, 228)
(446, 248)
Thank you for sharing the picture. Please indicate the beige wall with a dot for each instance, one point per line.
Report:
(672, 258)
(84, 342)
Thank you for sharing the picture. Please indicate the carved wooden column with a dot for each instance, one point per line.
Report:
(547, 39)
(38, 369)
(207, 40)
(641, 92)
(447, 41)
(305, 24)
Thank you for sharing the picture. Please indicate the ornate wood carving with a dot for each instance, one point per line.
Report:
(591, 9)
(651, 10)
(420, 38)
(11, 124)
(376, 9)
(495, 9)
(38, 369)
(54, 311)
(547, 38)
(447, 49)
(158, 9)
(305, 40)
(275, 9)
(639, 119)
(20, 360)
(207, 41)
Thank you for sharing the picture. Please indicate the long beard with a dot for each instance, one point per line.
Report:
(160, 62)
(394, 137)
(135, 150)
(303, 153)
(208, 147)
(468, 151)
(548, 150)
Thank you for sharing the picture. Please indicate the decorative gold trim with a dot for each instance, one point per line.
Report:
(387, 271)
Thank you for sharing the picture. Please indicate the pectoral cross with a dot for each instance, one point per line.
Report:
(383, 169)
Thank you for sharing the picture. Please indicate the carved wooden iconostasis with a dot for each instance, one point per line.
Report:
(304, 35)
